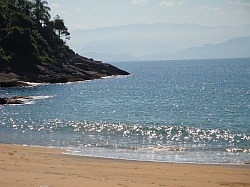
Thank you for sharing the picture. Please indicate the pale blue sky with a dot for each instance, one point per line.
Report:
(88, 14)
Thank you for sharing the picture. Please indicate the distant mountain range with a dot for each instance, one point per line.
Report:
(162, 41)
(233, 48)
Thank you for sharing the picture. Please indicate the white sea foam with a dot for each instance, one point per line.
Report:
(115, 76)
(31, 99)
(41, 97)
(33, 83)
(199, 157)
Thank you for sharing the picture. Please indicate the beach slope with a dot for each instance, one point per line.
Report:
(42, 167)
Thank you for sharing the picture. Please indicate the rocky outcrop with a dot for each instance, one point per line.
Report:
(74, 68)
(14, 100)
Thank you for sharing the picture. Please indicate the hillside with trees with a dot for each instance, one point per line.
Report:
(33, 47)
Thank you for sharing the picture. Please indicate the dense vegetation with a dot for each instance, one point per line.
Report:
(28, 35)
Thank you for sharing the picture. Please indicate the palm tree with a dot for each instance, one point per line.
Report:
(41, 11)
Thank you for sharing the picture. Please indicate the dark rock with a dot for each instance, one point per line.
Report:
(74, 68)
(3, 100)
(18, 99)
(14, 100)
(13, 84)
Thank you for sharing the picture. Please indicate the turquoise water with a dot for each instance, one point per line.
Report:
(195, 111)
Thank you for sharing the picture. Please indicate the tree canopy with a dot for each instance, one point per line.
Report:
(28, 35)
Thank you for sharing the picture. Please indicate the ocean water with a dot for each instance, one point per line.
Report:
(189, 111)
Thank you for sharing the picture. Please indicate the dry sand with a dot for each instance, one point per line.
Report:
(41, 167)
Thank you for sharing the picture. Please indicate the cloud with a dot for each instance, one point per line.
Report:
(171, 4)
(181, 3)
(239, 3)
(204, 8)
(139, 2)
(215, 11)
(55, 5)
(167, 3)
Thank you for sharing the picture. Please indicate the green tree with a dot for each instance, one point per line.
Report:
(41, 12)
(22, 6)
(3, 14)
(58, 25)
(28, 36)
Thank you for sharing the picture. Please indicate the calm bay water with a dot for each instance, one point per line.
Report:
(170, 111)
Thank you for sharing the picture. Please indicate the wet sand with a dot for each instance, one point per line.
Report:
(25, 166)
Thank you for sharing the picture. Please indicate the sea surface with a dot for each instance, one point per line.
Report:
(187, 111)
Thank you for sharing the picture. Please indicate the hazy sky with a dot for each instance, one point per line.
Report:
(86, 14)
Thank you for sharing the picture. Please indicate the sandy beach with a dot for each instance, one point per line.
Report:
(43, 167)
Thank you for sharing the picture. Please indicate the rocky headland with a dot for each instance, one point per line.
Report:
(33, 49)
(74, 68)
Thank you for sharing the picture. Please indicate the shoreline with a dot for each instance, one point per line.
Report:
(38, 166)
(243, 164)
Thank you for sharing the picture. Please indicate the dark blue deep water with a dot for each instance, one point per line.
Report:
(195, 111)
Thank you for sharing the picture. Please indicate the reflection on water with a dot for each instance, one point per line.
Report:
(173, 111)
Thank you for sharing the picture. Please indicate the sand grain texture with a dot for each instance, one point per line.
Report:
(42, 167)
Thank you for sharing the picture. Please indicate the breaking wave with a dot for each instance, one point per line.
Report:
(133, 136)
